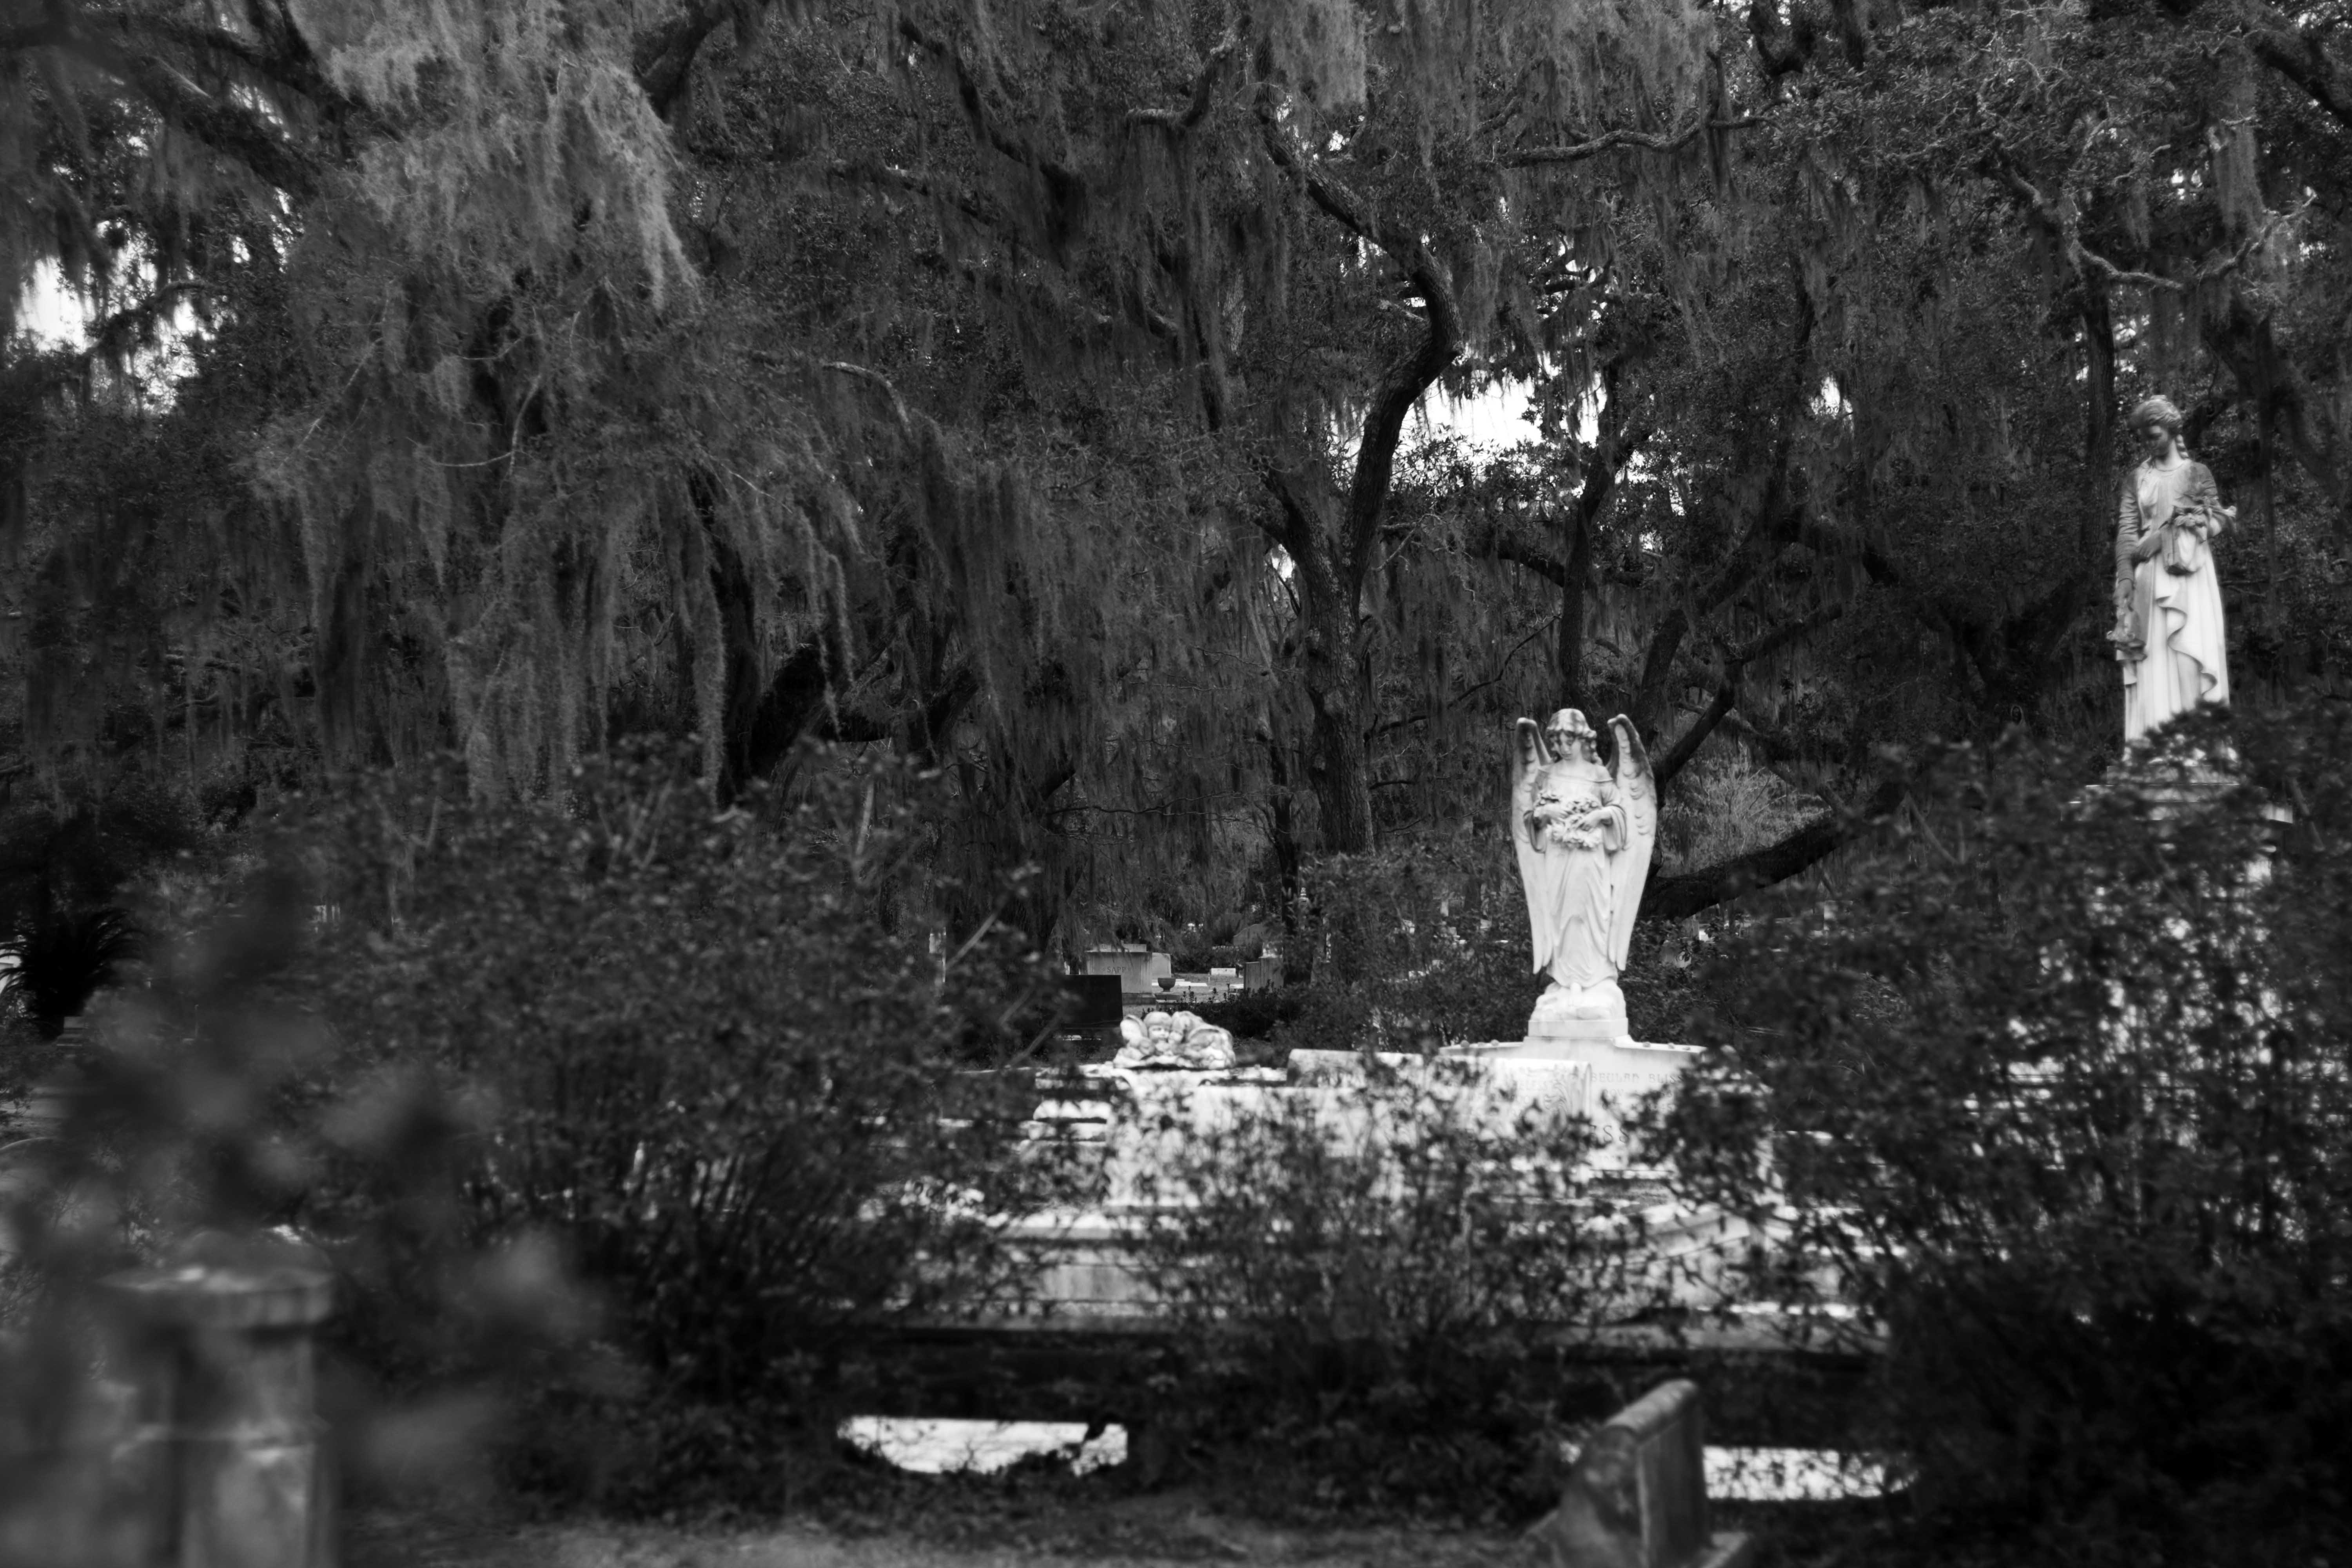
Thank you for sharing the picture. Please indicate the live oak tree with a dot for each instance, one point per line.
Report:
(1316, 214)
(1032, 390)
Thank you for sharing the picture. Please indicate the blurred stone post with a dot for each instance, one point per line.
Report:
(1636, 1497)
(220, 1359)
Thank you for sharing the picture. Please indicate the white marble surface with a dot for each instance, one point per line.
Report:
(933, 1446)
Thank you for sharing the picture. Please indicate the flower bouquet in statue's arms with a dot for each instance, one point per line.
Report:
(2181, 540)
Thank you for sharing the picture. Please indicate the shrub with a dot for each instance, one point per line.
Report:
(63, 877)
(1255, 1015)
(2063, 1092)
(1425, 943)
(62, 959)
(716, 1056)
(1366, 1290)
(1421, 943)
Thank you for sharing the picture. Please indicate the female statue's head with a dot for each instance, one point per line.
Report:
(2157, 423)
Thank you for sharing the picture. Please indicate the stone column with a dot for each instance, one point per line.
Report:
(221, 1359)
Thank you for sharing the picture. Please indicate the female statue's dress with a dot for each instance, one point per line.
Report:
(2169, 605)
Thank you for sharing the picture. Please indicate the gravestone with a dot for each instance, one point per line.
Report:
(1094, 1005)
(1138, 968)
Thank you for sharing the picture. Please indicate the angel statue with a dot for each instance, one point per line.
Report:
(1583, 833)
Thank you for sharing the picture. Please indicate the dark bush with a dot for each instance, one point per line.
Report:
(715, 1053)
(62, 957)
(63, 877)
(2063, 1093)
(1255, 1015)
(1369, 1286)
(1419, 943)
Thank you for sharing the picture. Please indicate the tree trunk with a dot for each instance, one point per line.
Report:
(2099, 439)
(1339, 765)
(1578, 555)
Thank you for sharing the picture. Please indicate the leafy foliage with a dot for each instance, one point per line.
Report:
(65, 878)
(61, 962)
(1421, 944)
(1365, 1287)
(2060, 1093)
(714, 1049)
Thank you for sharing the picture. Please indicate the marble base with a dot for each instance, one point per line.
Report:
(1611, 1075)
(1590, 1015)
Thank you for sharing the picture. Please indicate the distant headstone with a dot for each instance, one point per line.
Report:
(1138, 968)
(1095, 1005)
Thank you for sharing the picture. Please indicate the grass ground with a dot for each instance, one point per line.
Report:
(960, 1529)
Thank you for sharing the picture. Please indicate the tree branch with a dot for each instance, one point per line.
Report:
(954, 195)
(1406, 378)
(2060, 223)
(1615, 141)
(1063, 184)
(2300, 54)
(1203, 96)
(1726, 694)
(221, 125)
(1779, 51)
(663, 57)
(1679, 898)
(1777, 521)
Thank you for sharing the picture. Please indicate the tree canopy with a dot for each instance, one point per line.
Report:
(1045, 392)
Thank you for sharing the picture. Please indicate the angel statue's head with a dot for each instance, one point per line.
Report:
(1570, 734)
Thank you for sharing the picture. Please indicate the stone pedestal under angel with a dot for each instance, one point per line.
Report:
(1584, 834)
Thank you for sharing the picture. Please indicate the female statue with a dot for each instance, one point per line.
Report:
(2167, 633)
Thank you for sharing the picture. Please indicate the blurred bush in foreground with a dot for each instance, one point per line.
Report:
(200, 1120)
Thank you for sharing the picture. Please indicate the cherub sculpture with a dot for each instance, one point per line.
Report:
(1181, 1041)
(1583, 833)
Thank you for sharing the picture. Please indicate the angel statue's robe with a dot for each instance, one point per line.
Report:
(1578, 882)
(1583, 835)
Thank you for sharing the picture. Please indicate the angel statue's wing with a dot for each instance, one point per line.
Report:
(1530, 756)
(1637, 792)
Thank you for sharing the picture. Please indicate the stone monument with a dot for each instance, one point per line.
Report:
(1583, 835)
